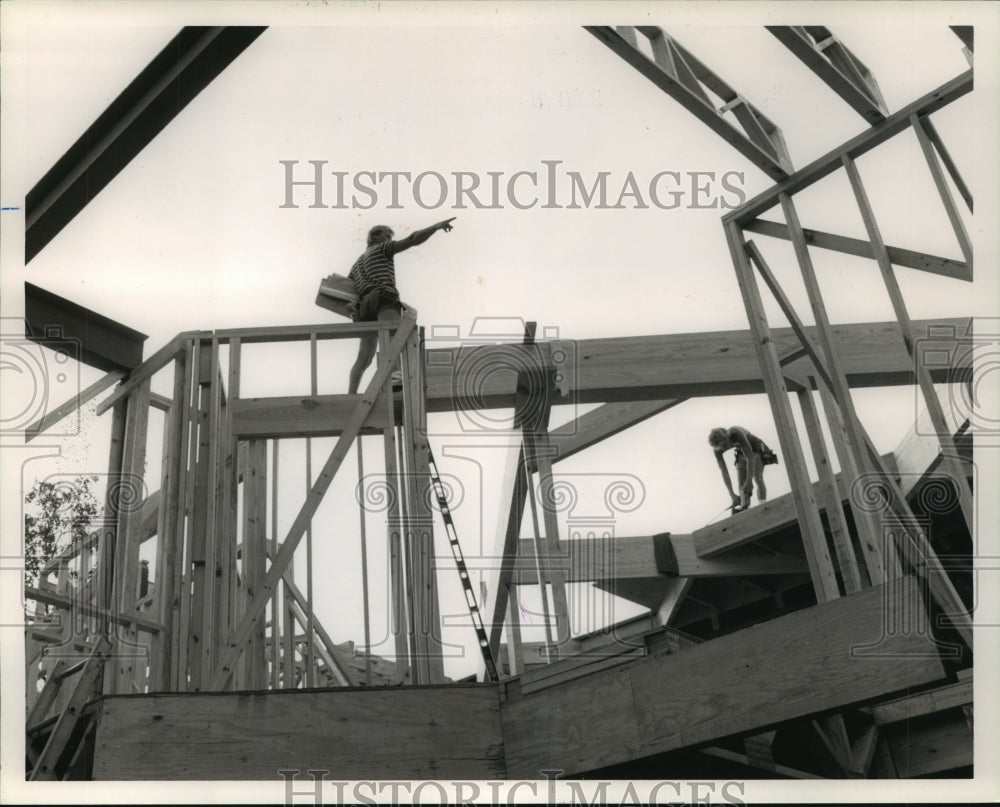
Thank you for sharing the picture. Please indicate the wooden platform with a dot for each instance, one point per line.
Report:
(429, 732)
(787, 668)
(802, 664)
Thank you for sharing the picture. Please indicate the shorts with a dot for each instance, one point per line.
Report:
(374, 302)
(767, 457)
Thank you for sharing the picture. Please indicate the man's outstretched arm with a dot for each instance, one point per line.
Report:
(413, 239)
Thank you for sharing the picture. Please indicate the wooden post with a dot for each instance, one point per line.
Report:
(868, 528)
(255, 553)
(832, 501)
(426, 608)
(364, 565)
(838, 380)
(942, 187)
(131, 483)
(166, 530)
(544, 455)
(225, 517)
(515, 646)
(213, 540)
(275, 595)
(182, 636)
(394, 537)
(814, 541)
(109, 531)
(201, 555)
(870, 534)
(540, 556)
(310, 658)
(913, 544)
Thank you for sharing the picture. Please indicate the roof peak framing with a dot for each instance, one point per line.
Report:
(687, 80)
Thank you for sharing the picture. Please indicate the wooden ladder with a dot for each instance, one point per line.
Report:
(65, 724)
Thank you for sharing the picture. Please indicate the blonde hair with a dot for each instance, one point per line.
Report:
(718, 436)
(378, 233)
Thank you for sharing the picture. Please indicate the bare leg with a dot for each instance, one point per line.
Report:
(366, 352)
(741, 475)
(758, 477)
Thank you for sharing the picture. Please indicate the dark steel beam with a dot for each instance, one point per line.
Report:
(188, 64)
(85, 335)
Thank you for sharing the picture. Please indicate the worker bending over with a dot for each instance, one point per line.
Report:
(752, 454)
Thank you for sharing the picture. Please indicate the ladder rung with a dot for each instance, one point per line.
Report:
(463, 573)
(70, 671)
(42, 725)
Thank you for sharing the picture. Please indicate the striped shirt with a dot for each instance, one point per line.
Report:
(375, 269)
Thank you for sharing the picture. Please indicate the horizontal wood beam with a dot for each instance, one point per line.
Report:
(677, 556)
(927, 747)
(624, 558)
(605, 421)
(302, 333)
(302, 416)
(71, 607)
(854, 148)
(381, 733)
(649, 368)
(760, 520)
(654, 371)
(743, 759)
(908, 258)
(935, 700)
(797, 665)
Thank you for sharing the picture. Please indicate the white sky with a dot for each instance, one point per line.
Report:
(190, 235)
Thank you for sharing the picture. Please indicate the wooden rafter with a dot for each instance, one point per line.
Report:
(684, 77)
(834, 63)
(606, 421)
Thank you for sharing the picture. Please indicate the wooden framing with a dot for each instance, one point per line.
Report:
(219, 618)
(685, 78)
(908, 258)
(239, 635)
(605, 421)
(935, 411)
(394, 733)
(839, 69)
(820, 565)
(639, 716)
(866, 141)
(917, 123)
(659, 368)
(45, 423)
